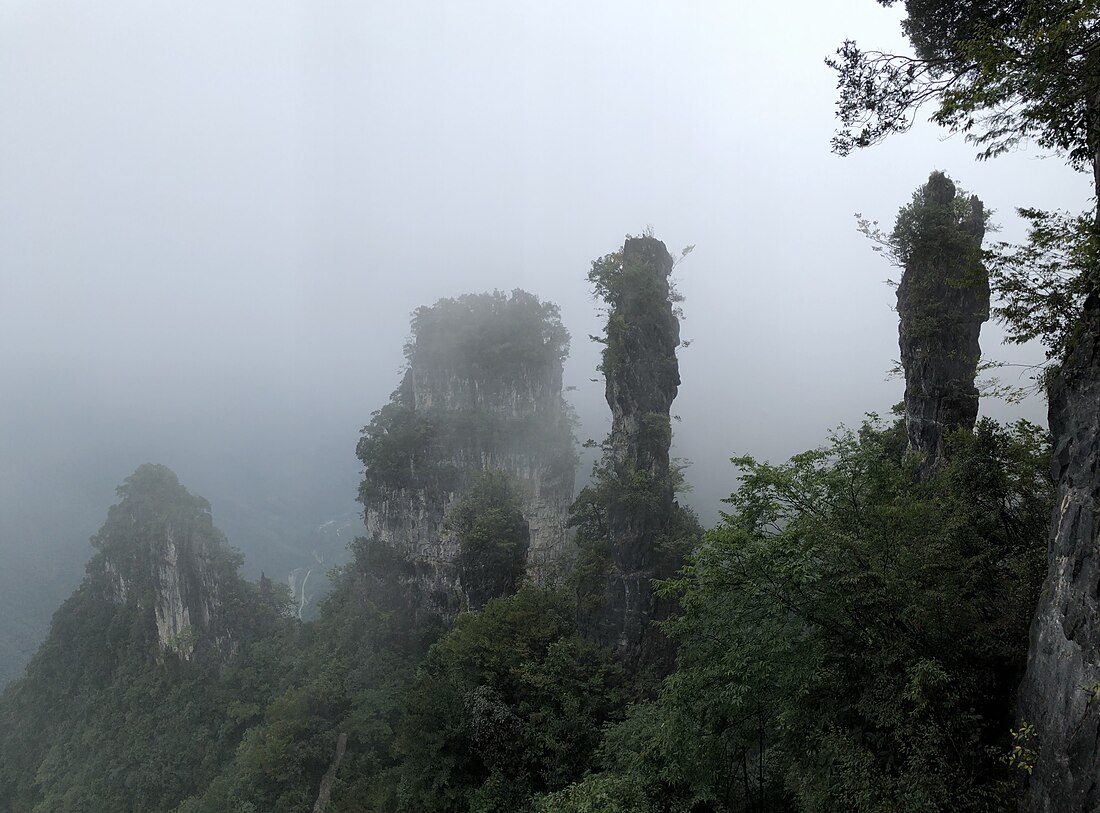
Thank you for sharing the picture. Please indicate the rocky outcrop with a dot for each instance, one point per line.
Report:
(160, 552)
(482, 392)
(1060, 693)
(943, 299)
(642, 379)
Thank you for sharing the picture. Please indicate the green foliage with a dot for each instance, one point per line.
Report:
(1000, 72)
(106, 720)
(616, 486)
(354, 668)
(397, 449)
(410, 450)
(629, 505)
(509, 703)
(152, 500)
(1003, 73)
(599, 793)
(100, 722)
(941, 227)
(931, 230)
(852, 638)
(349, 672)
(655, 430)
(492, 535)
(491, 338)
(636, 295)
(588, 578)
(151, 493)
(1023, 754)
(474, 355)
(626, 287)
(1042, 284)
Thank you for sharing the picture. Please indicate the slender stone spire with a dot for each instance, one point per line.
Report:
(642, 377)
(943, 299)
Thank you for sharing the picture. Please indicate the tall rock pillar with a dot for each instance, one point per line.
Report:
(634, 493)
(943, 299)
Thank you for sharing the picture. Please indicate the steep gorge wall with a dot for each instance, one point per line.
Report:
(1060, 693)
(482, 392)
(943, 299)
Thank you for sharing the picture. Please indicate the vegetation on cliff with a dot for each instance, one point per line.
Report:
(943, 299)
(1006, 74)
(107, 716)
(481, 393)
(484, 377)
(510, 703)
(630, 530)
(487, 522)
(850, 636)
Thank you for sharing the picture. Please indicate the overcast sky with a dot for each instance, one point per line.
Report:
(216, 218)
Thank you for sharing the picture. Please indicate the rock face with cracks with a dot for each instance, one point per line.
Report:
(1060, 694)
(160, 551)
(482, 393)
(943, 299)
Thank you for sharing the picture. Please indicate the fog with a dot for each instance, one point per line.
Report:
(215, 220)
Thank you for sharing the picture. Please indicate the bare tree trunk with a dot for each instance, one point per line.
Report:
(330, 775)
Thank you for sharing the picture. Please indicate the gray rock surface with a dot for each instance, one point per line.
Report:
(642, 379)
(943, 299)
(1060, 693)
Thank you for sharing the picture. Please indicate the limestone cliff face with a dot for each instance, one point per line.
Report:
(482, 392)
(943, 299)
(1060, 694)
(642, 379)
(160, 552)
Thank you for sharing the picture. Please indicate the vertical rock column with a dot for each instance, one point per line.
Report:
(943, 299)
(1060, 694)
(642, 376)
